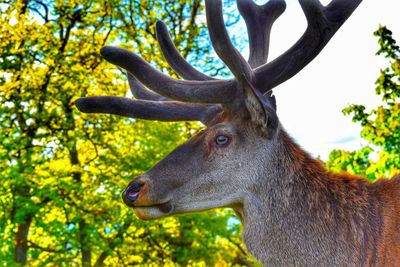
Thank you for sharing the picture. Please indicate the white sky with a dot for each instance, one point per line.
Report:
(310, 104)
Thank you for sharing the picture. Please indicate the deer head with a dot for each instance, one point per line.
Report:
(240, 152)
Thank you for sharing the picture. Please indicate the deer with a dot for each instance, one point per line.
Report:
(294, 212)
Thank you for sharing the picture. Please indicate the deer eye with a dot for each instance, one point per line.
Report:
(221, 140)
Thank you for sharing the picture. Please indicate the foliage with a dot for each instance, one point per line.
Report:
(62, 172)
(381, 126)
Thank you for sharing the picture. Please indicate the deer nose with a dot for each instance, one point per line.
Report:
(131, 193)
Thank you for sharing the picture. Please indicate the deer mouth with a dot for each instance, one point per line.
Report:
(154, 211)
(164, 207)
(147, 211)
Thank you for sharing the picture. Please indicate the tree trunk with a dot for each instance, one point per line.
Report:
(21, 241)
(100, 260)
(86, 253)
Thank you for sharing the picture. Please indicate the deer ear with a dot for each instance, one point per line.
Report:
(263, 113)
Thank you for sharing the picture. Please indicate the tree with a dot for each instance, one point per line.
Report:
(62, 172)
(381, 126)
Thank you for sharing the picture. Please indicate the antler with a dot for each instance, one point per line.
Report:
(259, 20)
(148, 109)
(174, 59)
(139, 91)
(155, 91)
(212, 91)
(323, 22)
(222, 44)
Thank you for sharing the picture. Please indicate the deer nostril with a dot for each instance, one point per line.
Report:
(132, 191)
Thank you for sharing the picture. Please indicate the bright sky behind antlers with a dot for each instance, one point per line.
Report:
(310, 104)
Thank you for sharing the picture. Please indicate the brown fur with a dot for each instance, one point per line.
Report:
(367, 213)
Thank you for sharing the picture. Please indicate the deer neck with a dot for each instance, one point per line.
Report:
(293, 213)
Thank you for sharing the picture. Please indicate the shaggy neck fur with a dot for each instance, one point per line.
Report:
(303, 215)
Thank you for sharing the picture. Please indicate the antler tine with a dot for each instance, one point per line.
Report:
(213, 91)
(174, 58)
(259, 20)
(323, 22)
(139, 91)
(222, 44)
(148, 110)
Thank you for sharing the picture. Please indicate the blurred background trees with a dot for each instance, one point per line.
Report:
(62, 172)
(380, 126)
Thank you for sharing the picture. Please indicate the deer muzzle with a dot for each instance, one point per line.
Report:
(136, 195)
